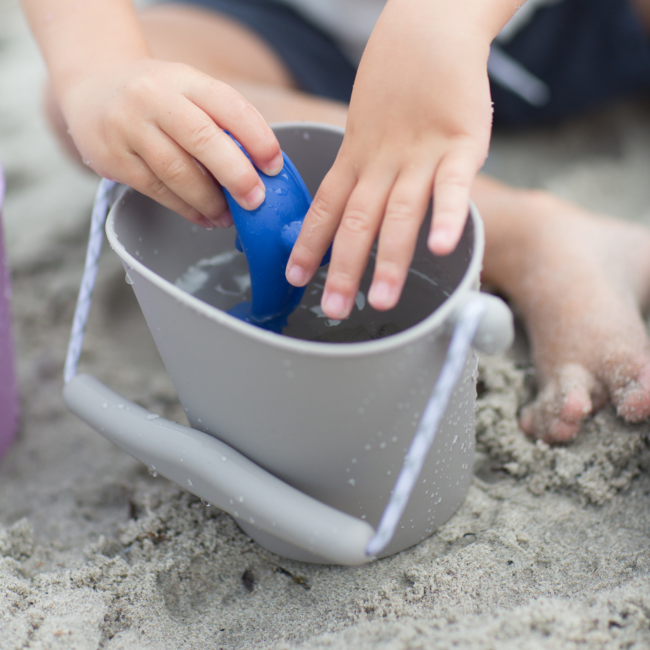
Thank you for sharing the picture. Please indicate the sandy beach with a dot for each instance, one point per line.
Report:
(550, 549)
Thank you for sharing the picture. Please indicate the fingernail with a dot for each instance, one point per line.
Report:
(207, 224)
(275, 166)
(382, 295)
(255, 198)
(296, 275)
(335, 305)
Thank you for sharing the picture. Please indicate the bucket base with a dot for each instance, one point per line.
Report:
(288, 550)
(279, 546)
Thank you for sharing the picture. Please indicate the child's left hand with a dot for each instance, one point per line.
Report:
(419, 124)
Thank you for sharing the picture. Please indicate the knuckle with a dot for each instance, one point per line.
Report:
(400, 212)
(158, 189)
(235, 103)
(203, 136)
(320, 211)
(269, 143)
(452, 177)
(243, 182)
(140, 88)
(341, 280)
(177, 171)
(390, 270)
(356, 222)
(114, 118)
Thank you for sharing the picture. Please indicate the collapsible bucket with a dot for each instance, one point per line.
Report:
(8, 389)
(302, 440)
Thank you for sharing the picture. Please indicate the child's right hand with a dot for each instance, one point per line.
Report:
(159, 128)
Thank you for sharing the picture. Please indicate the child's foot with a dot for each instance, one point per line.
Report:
(580, 282)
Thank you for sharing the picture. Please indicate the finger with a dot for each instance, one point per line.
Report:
(199, 136)
(142, 179)
(403, 217)
(354, 238)
(320, 224)
(453, 180)
(182, 174)
(234, 113)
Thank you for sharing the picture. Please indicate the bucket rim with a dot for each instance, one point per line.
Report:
(432, 324)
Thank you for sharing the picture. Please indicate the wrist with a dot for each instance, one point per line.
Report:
(66, 78)
(81, 40)
(477, 21)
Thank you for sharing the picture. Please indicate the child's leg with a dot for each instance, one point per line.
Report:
(580, 281)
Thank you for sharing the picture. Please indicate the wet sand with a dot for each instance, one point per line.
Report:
(549, 550)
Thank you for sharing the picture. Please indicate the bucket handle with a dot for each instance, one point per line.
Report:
(219, 474)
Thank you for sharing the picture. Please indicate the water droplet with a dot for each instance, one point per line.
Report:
(152, 471)
(105, 405)
(205, 503)
(189, 483)
(127, 279)
(153, 416)
(120, 406)
(224, 459)
(352, 481)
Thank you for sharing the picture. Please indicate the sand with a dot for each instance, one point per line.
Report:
(549, 550)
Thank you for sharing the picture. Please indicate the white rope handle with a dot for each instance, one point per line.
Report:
(95, 240)
(461, 341)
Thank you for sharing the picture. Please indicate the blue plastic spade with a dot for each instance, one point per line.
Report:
(266, 236)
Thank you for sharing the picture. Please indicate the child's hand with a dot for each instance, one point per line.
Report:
(159, 127)
(419, 124)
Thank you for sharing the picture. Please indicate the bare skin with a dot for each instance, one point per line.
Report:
(158, 126)
(579, 280)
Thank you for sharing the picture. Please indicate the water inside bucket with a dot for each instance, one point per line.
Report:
(222, 281)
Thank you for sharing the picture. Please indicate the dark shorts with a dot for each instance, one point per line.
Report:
(312, 57)
(586, 52)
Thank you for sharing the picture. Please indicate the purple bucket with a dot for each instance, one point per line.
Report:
(8, 390)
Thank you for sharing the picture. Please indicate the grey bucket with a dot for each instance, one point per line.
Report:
(299, 440)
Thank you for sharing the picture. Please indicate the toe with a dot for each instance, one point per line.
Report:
(633, 399)
(562, 405)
